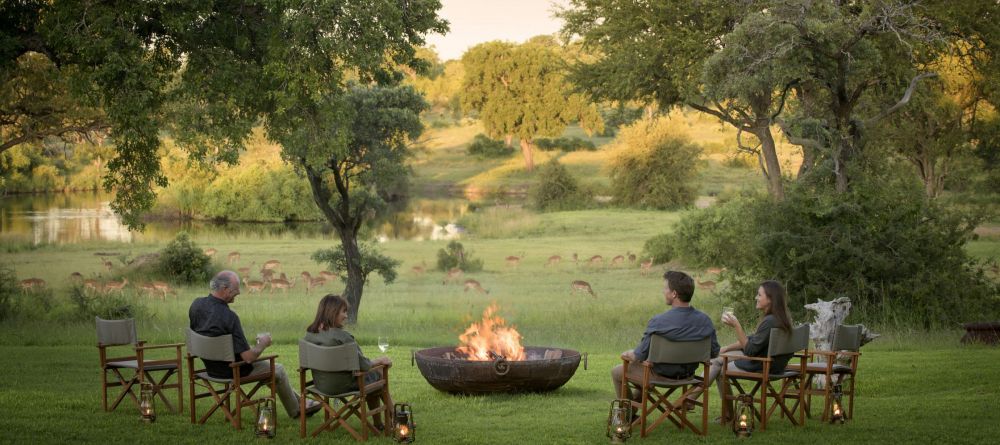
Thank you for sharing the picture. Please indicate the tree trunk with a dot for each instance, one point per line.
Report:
(529, 162)
(773, 174)
(355, 278)
(507, 140)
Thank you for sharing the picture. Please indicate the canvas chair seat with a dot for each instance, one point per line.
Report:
(157, 372)
(766, 397)
(243, 379)
(820, 368)
(343, 358)
(373, 387)
(202, 385)
(657, 402)
(134, 364)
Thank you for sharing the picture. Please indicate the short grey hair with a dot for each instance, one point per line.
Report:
(221, 281)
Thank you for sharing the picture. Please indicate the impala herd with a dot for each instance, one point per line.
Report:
(272, 267)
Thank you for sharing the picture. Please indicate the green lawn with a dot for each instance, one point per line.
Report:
(913, 387)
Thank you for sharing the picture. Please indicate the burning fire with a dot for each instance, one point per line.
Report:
(491, 335)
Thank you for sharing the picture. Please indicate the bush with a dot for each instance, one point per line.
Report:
(488, 148)
(655, 169)
(9, 292)
(372, 260)
(660, 248)
(557, 189)
(894, 254)
(183, 261)
(564, 144)
(108, 307)
(455, 255)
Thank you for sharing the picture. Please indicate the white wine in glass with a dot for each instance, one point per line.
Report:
(383, 344)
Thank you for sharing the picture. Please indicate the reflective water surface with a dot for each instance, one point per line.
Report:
(79, 217)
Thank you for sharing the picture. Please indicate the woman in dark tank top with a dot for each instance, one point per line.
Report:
(773, 304)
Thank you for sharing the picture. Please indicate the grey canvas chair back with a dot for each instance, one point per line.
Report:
(211, 348)
(662, 350)
(329, 358)
(116, 332)
(847, 338)
(782, 343)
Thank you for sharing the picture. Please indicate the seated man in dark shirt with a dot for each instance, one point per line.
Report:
(681, 323)
(210, 316)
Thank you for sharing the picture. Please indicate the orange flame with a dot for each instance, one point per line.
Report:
(491, 335)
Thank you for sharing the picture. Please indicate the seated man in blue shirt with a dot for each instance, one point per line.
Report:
(681, 323)
(210, 316)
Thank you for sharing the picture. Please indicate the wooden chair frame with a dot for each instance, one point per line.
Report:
(846, 344)
(113, 333)
(221, 349)
(657, 390)
(792, 380)
(353, 404)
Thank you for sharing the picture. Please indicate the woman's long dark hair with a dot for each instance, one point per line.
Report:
(326, 314)
(779, 304)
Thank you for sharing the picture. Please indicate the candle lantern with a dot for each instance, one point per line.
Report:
(266, 426)
(620, 420)
(147, 405)
(402, 418)
(743, 421)
(837, 410)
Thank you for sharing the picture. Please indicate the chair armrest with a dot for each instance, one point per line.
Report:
(730, 357)
(373, 368)
(170, 345)
(259, 359)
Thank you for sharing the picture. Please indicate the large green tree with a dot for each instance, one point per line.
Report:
(521, 90)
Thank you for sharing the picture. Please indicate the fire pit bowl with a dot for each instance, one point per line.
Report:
(447, 370)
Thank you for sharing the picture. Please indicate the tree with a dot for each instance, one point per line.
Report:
(353, 180)
(520, 90)
(713, 56)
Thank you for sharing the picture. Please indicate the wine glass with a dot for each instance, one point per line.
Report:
(262, 335)
(383, 344)
(727, 311)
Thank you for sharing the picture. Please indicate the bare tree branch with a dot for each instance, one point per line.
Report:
(903, 101)
(83, 131)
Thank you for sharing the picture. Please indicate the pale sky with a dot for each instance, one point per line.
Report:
(476, 21)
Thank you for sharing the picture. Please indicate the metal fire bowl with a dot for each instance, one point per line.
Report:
(482, 377)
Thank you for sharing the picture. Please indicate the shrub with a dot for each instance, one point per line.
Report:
(108, 307)
(564, 144)
(557, 189)
(8, 292)
(488, 148)
(455, 255)
(893, 253)
(372, 260)
(182, 260)
(660, 248)
(654, 169)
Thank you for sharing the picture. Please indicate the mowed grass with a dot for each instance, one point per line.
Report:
(914, 387)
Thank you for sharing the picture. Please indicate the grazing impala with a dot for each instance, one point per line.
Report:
(254, 286)
(554, 259)
(115, 286)
(272, 265)
(454, 274)
(645, 266)
(148, 289)
(595, 260)
(707, 285)
(267, 274)
(245, 271)
(210, 252)
(76, 277)
(618, 260)
(93, 285)
(233, 258)
(163, 288)
(631, 258)
(312, 283)
(715, 270)
(579, 285)
(284, 285)
(32, 283)
(576, 258)
(329, 276)
(514, 261)
(107, 264)
(474, 285)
